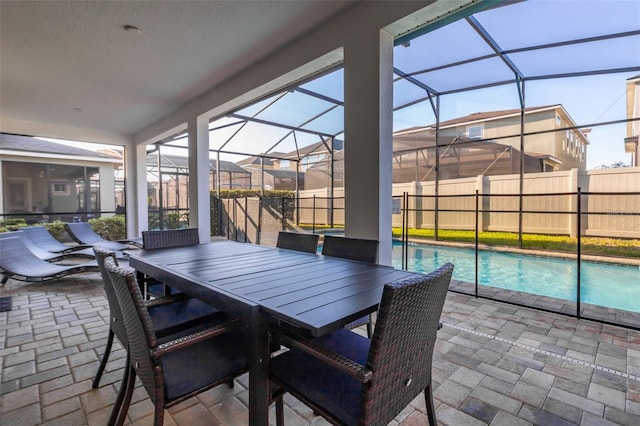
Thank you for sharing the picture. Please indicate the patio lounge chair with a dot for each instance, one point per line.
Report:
(41, 236)
(44, 254)
(83, 233)
(173, 371)
(295, 241)
(17, 262)
(354, 249)
(352, 380)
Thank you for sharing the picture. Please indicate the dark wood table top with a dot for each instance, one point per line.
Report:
(315, 292)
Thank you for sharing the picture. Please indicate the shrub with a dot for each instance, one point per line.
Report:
(12, 224)
(56, 228)
(110, 228)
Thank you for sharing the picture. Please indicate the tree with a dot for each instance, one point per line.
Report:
(617, 165)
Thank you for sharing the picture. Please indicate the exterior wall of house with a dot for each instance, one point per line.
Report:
(568, 146)
(29, 174)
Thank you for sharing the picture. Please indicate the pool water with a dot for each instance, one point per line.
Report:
(613, 286)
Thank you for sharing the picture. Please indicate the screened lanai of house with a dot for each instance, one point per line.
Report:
(559, 55)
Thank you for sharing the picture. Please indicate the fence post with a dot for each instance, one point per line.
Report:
(282, 213)
(578, 248)
(405, 242)
(404, 224)
(313, 216)
(477, 230)
(235, 219)
(246, 219)
(259, 219)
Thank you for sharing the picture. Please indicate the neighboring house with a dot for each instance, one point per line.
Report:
(631, 144)
(553, 137)
(43, 180)
(486, 143)
(272, 173)
(173, 172)
(309, 156)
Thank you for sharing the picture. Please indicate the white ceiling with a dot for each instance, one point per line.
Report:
(71, 63)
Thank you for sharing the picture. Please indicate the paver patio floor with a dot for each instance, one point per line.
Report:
(494, 363)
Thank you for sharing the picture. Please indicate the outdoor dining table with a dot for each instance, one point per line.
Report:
(260, 284)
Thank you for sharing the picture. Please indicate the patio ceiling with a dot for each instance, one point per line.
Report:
(554, 40)
(72, 64)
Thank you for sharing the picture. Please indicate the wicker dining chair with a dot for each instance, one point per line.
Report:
(174, 369)
(352, 380)
(171, 316)
(160, 239)
(300, 242)
(355, 249)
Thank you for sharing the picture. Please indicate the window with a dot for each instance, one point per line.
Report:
(60, 189)
(474, 132)
(285, 164)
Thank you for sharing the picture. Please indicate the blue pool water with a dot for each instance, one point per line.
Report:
(614, 286)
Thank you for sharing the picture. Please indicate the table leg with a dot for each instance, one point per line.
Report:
(258, 372)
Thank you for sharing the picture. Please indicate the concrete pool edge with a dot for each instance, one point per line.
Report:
(588, 311)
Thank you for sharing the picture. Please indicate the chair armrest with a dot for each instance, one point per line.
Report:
(336, 360)
(194, 338)
(166, 299)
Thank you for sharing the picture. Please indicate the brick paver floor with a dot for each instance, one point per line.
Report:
(494, 364)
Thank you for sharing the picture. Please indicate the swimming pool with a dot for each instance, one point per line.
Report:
(613, 286)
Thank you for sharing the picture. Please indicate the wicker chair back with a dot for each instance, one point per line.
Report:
(169, 238)
(402, 346)
(351, 248)
(300, 242)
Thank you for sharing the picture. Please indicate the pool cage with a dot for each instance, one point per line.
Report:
(482, 113)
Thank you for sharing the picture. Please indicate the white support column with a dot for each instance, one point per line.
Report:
(136, 184)
(199, 199)
(107, 188)
(368, 87)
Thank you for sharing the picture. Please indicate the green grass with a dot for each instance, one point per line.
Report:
(589, 245)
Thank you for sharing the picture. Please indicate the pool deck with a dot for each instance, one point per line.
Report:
(494, 363)
(561, 306)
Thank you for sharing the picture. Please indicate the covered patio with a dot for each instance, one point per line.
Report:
(119, 74)
(494, 364)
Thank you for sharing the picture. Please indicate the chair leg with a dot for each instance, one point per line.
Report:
(158, 418)
(117, 406)
(370, 327)
(280, 411)
(103, 362)
(431, 411)
(127, 397)
(4, 280)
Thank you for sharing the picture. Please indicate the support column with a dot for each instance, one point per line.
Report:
(368, 87)
(136, 186)
(199, 199)
(107, 188)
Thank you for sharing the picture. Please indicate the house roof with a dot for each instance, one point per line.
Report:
(315, 148)
(180, 162)
(43, 147)
(283, 173)
(491, 115)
